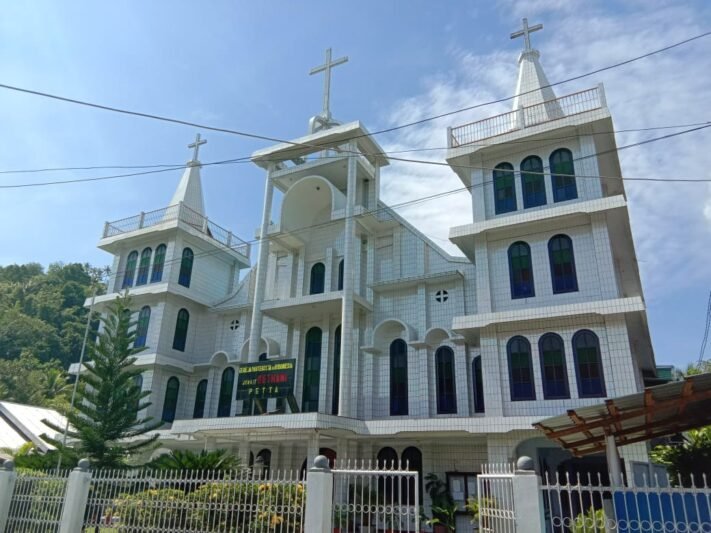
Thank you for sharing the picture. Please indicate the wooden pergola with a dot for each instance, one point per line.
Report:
(655, 412)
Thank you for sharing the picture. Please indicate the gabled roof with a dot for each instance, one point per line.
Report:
(20, 424)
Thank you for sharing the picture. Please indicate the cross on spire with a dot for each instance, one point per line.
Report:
(196, 147)
(326, 67)
(526, 33)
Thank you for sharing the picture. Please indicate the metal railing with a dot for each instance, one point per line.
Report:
(196, 501)
(497, 512)
(371, 497)
(586, 504)
(37, 502)
(525, 117)
(182, 213)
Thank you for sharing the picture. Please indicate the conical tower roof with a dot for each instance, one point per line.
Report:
(189, 190)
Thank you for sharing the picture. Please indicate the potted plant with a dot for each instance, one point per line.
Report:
(443, 506)
(473, 506)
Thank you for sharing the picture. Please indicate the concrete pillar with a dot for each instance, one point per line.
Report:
(319, 497)
(255, 332)
(75, 498)
(348, 343)
(613, 461)
(8, 477)
(528, 498)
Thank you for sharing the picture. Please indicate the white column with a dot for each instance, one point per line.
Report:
(606, 271)
(256, 329)
(312, 449)
(326, 362)
(461, 373)
(328, 283)
(76, 496)
(8, 476)
(613, 461)
(494, 382)
(528, 497)
(319, 497)
(483, 283)
(348, 343)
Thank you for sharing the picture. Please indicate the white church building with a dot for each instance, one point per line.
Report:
(390, 348)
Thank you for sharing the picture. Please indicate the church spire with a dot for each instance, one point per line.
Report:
(532, 87)
(189, 190)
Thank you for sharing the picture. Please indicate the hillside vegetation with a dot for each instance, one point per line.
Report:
(42, 322)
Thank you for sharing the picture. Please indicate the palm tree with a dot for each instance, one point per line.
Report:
(203, 460)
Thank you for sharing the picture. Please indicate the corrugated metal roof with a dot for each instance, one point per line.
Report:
(657, 411)
(24, 423)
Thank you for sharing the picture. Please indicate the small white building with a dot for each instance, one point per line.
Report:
(402, 351)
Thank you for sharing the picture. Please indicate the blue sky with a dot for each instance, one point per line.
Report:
(244, 65)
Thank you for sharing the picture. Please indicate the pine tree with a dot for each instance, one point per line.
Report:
(105, 426)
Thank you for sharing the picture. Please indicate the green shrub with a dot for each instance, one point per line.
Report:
(164, 509)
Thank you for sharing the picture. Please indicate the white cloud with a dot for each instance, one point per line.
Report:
(671, 222)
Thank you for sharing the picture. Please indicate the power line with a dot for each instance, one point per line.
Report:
(304, 145)
(706, 332)
(247, 159)
(407, 160)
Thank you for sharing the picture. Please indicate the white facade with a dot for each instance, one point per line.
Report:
(398, 286)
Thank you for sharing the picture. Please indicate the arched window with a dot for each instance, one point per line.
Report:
(226, 385)
(263, 356)
(533, 184)
(563, 175)
(398, 378)
(181, 330)
(504, 189)
(446, 385)
(318, 279)
(138, 382)
(520, 370)
(130, 270)
(553, 369)
(340, 275)
(170, 404)
(588, 365)
(562, 259)
(336, 370)
(388, 485)
(158, 262)
(144, 266)
(521, 271)
(144, 317)
(200, 395)
(411, 461)
(312, 371)
(478, 382)
(265, 457)
(186, 267)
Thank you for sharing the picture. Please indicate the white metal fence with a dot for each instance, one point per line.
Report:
(372, 497)
(497, 509)
(37, 502)
(659, 505)
(195, 501)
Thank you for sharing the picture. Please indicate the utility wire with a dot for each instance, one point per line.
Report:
(304, 145)
(247, 159)
(407, 160)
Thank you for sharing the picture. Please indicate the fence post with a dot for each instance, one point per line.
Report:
(528, 498)
(75, 499)
(8, 476)
(319, 497)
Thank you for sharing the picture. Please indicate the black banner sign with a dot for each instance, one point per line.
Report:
(266, 379)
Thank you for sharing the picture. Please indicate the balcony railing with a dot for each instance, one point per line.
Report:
(525, 117)
(182, 213)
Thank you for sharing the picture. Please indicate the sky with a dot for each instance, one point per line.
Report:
(244, 66)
